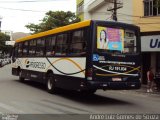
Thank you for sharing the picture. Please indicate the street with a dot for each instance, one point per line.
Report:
(32, 98)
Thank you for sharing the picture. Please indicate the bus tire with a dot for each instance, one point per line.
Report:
(51, 87)
(21, 79)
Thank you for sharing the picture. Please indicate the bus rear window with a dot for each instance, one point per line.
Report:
(116, 40)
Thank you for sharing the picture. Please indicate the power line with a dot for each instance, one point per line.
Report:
(109, 17)
(21, 9)
(29, 1)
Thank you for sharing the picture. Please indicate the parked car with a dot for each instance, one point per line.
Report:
(1, 63)
(5, 61)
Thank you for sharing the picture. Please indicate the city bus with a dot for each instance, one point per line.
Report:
(83, 56)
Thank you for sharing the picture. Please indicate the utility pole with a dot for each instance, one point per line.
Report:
(114, 9)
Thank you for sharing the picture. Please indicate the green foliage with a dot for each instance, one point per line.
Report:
(158, 3)
(4, 48)
(52, 20)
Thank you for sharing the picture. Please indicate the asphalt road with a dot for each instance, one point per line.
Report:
(31, 100)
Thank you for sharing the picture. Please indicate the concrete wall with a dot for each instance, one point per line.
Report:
(87, 15)
(125, 13)
(97, 10)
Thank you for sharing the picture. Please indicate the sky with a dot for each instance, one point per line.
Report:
(15, 14)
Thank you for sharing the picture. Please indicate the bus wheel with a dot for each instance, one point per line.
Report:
(51, 83)
(20, 77)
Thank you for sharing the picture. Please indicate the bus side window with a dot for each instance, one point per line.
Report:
(25, 48)
(61, 46)
(32, 47)
(16, 50)
(130, 45)
(20, 49)
(50, 46)
(40, 47)
(78, 43)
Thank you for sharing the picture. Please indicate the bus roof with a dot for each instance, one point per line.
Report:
(56, 30)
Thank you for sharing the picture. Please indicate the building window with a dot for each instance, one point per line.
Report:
(151, 7)
(80, 7)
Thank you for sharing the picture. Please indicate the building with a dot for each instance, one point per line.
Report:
(143, 13)
(14, 36)
(0, 22)
(147, 17)
(8, 32)
(80, 9)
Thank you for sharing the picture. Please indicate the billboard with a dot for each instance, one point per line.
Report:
(150, 43)
(9, 42)
(110, 38)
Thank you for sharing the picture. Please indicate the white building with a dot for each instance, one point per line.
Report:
(98, 10)
(8, 32)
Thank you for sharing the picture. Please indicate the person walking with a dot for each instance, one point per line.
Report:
(150, 80)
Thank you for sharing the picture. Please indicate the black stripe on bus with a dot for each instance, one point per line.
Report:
(63, 72)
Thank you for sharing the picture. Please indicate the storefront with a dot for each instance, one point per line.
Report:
(150, 47)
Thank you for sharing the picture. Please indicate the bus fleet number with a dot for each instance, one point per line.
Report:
(115, 68)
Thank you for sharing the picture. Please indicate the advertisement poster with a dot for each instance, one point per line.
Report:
(110, 38)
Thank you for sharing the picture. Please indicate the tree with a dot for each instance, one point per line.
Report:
(4, 48)
(52, 20)
(158, 3)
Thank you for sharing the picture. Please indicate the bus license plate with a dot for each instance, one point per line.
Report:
(116, 79)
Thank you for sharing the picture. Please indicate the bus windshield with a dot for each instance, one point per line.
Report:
(116, 40)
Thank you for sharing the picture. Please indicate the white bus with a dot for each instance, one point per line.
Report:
(84, 56)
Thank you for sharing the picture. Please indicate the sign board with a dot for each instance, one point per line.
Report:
(9, 42)
(150, 43)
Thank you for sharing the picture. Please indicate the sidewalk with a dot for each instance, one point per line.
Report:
(143, 89)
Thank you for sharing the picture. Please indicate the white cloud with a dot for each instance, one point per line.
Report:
(15, 20)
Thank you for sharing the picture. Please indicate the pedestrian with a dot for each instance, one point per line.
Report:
(150, 80)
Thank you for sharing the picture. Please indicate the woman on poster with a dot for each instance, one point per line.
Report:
(103, 42)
